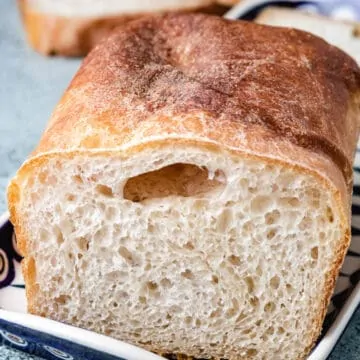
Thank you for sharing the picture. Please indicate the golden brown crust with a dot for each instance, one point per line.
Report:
(161, 75)
(75, 36)
(253, 91)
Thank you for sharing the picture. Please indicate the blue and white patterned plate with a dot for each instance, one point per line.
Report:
(52, 340)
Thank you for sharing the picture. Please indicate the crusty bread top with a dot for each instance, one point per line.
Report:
(236, 83)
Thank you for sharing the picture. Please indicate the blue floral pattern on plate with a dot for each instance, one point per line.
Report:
(47, 346)
(8, 255)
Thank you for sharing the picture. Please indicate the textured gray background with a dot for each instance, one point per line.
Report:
(30, 87)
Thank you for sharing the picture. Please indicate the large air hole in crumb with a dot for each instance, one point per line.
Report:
(178, 180)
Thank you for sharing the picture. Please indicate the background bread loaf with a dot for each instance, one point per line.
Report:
(73, 28)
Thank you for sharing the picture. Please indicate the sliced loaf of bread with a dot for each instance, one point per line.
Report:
(193, 196)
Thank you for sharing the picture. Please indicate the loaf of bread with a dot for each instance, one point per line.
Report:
(343, 34)
(73, 27)
(191, 193)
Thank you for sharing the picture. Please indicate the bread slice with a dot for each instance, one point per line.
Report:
(72, 28)
(193, 197)
(343, 34)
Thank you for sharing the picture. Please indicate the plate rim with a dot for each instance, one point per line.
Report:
(86, 338)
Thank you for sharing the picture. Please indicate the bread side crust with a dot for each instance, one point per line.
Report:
(75, 36)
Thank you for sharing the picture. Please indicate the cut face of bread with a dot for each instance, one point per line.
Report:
(343, 34)
(182, 250)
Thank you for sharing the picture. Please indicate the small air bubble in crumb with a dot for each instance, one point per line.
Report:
(329, 214)
(254, 301)
(165, 283)
(250, 284)
(70, 197)
(152, 286)
(315, 253)
(251, 352)
(126, 254)
(187, 274)
(78, 179)
(188, 320)
(271, 234)
(269, 307)
(104, 190)
(275, 282)
(189, 245)
(234, 260)
(260, 204)
(142, 299)
(272, 217)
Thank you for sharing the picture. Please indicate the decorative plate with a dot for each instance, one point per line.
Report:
(52, 340)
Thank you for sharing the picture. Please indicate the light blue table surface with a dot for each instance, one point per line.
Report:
(30, 86)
